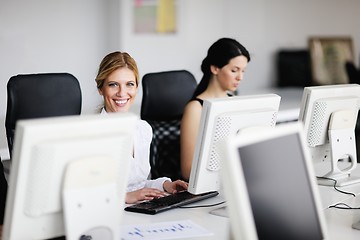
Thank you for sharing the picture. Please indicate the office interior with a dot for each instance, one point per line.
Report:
(73, 36)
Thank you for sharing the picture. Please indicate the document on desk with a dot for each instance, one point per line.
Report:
(163, 230)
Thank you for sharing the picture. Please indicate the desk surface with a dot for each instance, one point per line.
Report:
(218, 225)
(338, 221)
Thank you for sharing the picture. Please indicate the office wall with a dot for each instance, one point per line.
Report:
(267, 25)
(73, 36)
(54, 36)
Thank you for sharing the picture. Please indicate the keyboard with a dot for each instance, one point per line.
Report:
(171, 201)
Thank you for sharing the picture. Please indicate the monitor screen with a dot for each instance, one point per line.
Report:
(274, 169)
(45, 150)
(329, 115)
(221, 118)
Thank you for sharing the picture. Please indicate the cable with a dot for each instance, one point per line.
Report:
(340, 205)
(335, 187)
(200, 206)
(343, 206)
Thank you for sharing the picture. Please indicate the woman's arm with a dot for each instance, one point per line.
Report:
(176, 186)
(189, 131)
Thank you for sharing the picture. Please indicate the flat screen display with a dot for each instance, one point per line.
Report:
(279, 189)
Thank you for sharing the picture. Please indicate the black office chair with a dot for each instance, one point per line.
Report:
(3, 192)
(165, 95)
(293, 68)
(38, 96)
(352, 72)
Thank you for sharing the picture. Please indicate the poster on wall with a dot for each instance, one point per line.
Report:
(328, 58)
(154, 16)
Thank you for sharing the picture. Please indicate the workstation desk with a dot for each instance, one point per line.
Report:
(218, 225)
(338, 221)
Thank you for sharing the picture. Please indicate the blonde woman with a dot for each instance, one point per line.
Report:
(117, 81)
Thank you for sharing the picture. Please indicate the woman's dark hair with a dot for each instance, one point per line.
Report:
(219, 55)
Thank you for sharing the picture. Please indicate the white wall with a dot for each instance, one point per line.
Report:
(264, 26)
(199, 24)
(52, 36)
(74, 35)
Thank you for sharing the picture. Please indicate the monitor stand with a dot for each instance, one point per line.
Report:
(349, 180)
(90, 199)
(342, 146)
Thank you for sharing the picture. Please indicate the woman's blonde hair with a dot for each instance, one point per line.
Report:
(112, 62)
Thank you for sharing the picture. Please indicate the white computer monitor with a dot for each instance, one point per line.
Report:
(220, 118)
(270, 186)
(68, 177)
(329, 115)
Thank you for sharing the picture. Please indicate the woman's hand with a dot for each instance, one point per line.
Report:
(143, 194)
(176, 186)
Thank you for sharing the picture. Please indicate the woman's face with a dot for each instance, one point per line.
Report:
(119, 90)
(231, 74)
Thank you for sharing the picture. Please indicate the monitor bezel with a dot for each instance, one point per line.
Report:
(239, 206)
(30, 132)
(322, 155)
(201, 180)
(316, 93)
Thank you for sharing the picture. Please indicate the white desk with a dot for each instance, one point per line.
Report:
(329, 195)
(219, 226)
(338, 221)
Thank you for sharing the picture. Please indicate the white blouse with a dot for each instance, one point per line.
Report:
(139, 164)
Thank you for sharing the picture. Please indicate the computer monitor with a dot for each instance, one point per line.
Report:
(220, 118)
(270, 186)
(329, 115)
(69, 176)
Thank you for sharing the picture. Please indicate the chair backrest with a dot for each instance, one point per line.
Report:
(38, 96)
(165, 95)
(294, 68)
(352, 72)
(3, 192)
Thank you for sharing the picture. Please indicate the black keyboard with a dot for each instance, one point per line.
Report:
(168, 202)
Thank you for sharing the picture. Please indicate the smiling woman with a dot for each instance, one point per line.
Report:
(119, 90)
(117, 81)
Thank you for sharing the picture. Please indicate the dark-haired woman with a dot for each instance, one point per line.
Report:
(223, 68)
